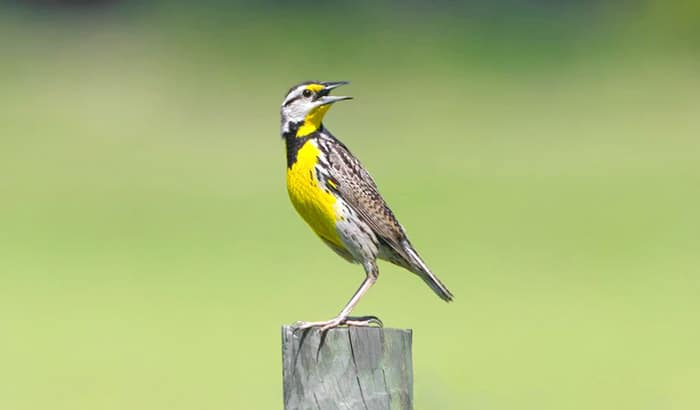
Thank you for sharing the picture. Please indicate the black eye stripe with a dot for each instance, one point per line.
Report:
(291, 101)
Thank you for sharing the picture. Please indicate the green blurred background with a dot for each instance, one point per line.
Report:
(543, 155)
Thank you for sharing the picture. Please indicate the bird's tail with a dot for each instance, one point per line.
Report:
(421, 269)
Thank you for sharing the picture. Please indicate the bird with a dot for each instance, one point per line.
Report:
(336, 196)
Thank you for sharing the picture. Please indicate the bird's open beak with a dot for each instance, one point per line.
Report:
(324, 98)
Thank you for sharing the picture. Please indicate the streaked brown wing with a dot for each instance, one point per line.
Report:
(354, 185)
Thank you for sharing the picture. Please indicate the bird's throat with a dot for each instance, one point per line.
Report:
(312, 121)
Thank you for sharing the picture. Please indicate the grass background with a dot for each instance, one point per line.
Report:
(544, 158)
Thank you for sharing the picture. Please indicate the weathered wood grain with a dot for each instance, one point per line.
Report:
(348, 368)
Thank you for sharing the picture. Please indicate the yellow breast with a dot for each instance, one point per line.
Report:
(314, 203)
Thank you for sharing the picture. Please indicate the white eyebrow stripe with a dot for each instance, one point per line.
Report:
(293, 95)
(291, 100)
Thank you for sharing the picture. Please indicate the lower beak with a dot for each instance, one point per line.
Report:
(330, 99)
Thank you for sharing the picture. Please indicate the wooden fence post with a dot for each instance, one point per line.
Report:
(348, 368)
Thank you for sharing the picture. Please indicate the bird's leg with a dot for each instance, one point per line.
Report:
(343, 317)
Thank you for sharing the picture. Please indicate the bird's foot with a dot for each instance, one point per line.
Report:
(365, 321)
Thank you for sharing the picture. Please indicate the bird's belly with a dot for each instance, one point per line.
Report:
(358, 237)
(314, 203)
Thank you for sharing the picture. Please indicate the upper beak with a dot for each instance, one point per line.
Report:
(324, 98)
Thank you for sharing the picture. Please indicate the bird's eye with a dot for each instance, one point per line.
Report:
(306, 93)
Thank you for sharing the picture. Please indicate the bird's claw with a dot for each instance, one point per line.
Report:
(360, 321)
(366, 321)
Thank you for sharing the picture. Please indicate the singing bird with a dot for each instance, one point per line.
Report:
(340, 201)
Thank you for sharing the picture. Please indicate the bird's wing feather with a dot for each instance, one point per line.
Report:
(349, 180)
(355, 186)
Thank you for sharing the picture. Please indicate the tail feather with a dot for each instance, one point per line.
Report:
(421, 269)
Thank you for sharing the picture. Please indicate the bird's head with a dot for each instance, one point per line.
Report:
(305, 105)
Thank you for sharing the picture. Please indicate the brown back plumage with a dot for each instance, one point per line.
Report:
(356, 187)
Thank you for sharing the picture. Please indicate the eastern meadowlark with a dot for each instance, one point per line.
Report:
(338, 198)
